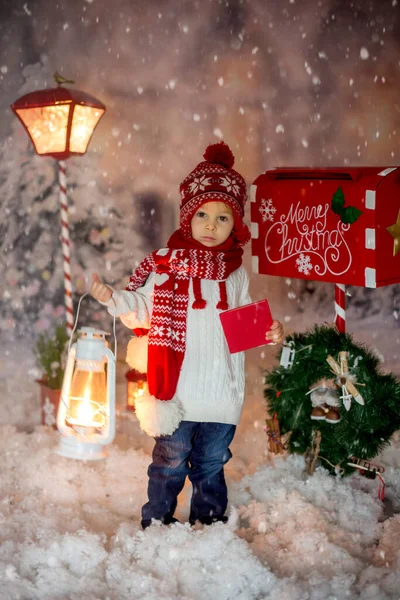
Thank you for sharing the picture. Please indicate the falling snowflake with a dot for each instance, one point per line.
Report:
(304, 264)
(267, 210)
(48, 413)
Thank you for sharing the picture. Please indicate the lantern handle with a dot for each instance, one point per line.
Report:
(63, 406)
(76, 323)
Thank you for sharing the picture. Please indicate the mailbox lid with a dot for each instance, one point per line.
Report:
(295, 232)
(371, 176)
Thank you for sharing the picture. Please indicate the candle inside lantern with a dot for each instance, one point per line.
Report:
(88, 395)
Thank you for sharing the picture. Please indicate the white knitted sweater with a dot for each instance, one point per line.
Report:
(211, 381)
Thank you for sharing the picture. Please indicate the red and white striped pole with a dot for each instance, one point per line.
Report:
(340, 307)
(62, 178)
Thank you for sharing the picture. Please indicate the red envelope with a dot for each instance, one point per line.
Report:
(245, 327)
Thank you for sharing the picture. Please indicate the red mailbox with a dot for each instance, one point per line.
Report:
(336, 225)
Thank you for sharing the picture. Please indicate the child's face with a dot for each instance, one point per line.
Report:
(212, 224)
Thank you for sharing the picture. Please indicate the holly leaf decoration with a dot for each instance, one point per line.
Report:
(350, 214)
(338, 201)
(347, 214)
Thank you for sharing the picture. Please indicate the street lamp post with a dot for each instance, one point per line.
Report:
(60, 123)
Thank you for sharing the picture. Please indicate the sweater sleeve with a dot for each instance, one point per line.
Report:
(133, 308)
(244, 297)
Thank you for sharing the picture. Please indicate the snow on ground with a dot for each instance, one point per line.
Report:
(70, 529)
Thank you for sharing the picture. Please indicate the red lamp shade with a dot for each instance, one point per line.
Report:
(59, 121)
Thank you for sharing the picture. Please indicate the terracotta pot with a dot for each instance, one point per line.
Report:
(49, 400)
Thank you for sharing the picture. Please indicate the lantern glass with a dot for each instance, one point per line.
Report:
(84, 121)
(47, 126)
(87, 404)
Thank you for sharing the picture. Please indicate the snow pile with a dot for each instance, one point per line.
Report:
(178, 562)
(322, 531)
(70, 529)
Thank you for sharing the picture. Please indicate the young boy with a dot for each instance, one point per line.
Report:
(196, 387)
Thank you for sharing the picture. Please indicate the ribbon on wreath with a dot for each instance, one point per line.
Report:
(345, 380)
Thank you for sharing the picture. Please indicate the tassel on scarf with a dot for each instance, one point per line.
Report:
(223, 303)
(199, 302)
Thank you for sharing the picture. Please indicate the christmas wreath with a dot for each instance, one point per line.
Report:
(330, 391)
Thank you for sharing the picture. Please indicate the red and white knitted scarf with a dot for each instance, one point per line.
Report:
(175, 266)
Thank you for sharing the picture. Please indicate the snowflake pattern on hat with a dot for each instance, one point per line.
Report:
(231, 185)
(199, 184)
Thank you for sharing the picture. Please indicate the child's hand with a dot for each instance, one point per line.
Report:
(99, 290)
(275, 334)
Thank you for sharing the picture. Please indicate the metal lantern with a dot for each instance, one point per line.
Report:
(86, 413)
(136, 387)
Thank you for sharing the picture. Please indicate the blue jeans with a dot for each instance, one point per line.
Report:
(196, 450)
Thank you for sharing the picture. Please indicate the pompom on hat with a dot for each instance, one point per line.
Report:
(214, 180)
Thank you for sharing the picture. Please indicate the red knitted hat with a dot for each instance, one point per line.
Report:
(214, 180)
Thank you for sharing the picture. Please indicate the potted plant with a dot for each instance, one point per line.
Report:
(50, 353)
